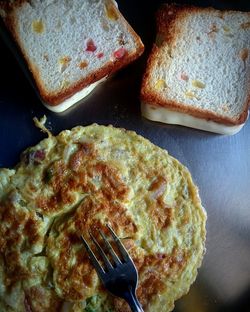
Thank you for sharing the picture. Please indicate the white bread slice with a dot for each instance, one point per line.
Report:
(200, 67)
(70, 45)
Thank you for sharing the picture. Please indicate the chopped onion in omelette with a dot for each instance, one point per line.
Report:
(78, 181)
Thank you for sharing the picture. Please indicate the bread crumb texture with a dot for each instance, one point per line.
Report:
(204, 60)
(71, 31)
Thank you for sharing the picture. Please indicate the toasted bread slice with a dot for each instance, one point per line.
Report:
(198, 73)
(69, 45)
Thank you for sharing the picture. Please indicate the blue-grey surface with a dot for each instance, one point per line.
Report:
(220, 165)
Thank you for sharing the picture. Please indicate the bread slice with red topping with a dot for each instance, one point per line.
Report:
(198, 74)
(70, 45)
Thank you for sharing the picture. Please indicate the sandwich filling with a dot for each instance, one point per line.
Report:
(162, 114)
(75, 98)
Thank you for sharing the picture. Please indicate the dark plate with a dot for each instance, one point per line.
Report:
(220, 165)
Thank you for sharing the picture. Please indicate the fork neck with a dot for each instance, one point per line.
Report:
(133, 302)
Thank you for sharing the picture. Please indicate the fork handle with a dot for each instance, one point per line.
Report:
(133, 302)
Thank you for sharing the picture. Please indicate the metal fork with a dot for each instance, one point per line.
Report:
(119, 278)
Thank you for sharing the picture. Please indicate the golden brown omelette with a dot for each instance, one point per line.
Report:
(79, 181)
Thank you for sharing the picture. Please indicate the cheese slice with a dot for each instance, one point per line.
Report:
(75, 98)
(161, 114)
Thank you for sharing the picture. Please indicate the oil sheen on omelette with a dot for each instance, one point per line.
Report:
(81, 180)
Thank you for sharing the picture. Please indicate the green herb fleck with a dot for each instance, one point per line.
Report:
(92, 304)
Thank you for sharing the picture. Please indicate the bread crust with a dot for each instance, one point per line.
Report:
(107, 69)
(168, 31)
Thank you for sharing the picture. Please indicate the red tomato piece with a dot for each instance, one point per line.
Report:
(120, 53)
(91, 47)
(100, 55)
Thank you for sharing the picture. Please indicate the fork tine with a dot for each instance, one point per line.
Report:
(93, 259)
(101, 252)
(119, 244)
(110, 249)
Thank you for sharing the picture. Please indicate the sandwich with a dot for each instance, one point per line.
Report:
(76, 182)
(70, 46)
(198, 73)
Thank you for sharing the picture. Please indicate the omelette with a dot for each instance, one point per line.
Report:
(76, 182)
